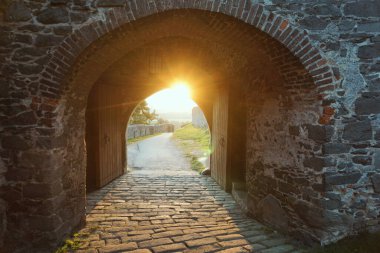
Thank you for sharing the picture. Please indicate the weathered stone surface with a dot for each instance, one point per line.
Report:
(368, 103)
(79, 17)
(317, 163)
(59, 1)
(324, 9)
(39, 160)
(3, 220)
(358, 131)
(28, 53)
(62, 30)
(25, 118)
(110, 3)
(47, 40)
(5, 39)
(41, 190)
(319, 134)
(363, 160)
(369, 51)
(294, 130)
(30, 69)
(369, 27)
(330, 204)
(270, 211)
(53, 16)
(17, 11)
(342, 178)
(363, 8)
(314, 23)
(335, 148)
(15, 142)
(375, 178)
(327, 86)
(319, 218)
(376, 162)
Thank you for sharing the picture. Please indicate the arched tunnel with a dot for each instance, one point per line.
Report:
(262, 83)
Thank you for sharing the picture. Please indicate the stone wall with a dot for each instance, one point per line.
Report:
(341, 157)
(134, 131)
(327, 136)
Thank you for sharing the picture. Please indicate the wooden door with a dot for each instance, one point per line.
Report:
(105, 123)
(219, 163)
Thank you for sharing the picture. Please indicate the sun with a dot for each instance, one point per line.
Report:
(181, 89)
(175, 98)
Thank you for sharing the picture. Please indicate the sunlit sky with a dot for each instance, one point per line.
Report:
(174, 99)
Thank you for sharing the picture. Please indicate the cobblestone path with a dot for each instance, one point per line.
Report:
(172, 212)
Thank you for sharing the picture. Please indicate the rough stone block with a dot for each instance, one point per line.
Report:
(25, 118)
(270, 210)
(53, 16)
(43, 190)
(319, 133)
(294, 130)
(363, 8)
(369, 27)
(342, 178)
(367, 104)
(330, 204)
(14, 142)
(313, 23)
(358, 131)
(43, 40)
(59, 1)
(317, 163)
(319, 218)
(17, 11)
(44, 223)
(363, 160)
(110, 3)
(369, 51)
(375, 178)
(335, 148)
(324, 9)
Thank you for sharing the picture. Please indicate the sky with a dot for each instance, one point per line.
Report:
(172, 100)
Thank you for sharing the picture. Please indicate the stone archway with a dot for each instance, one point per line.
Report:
(298, 84)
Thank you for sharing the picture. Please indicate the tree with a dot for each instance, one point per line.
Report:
(142, 114)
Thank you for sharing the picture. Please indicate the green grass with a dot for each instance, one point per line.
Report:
(195, 142)
(201, 137)
(364, 243)
(134, 140)
(73, 243)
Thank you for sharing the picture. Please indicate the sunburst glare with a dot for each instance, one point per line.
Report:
(177, 99)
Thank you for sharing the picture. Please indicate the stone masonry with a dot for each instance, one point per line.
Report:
(305, 76)
(175, 210)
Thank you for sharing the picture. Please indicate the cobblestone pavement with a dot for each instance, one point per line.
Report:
(172, 212)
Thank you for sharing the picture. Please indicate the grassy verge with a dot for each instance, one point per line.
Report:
(364, 243)
(130, 141)
(195, 142)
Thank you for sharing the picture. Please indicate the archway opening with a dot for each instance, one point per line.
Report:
(255, 93)
(168, 133)
(262, 102)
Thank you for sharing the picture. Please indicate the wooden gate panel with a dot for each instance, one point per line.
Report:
(104, 135)
(219, 169)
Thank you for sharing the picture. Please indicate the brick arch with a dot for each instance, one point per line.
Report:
(280, 29)
(70, 53)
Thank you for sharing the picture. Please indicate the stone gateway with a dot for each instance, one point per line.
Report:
(291, 91)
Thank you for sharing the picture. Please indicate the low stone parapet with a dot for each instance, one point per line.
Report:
(135, 131)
